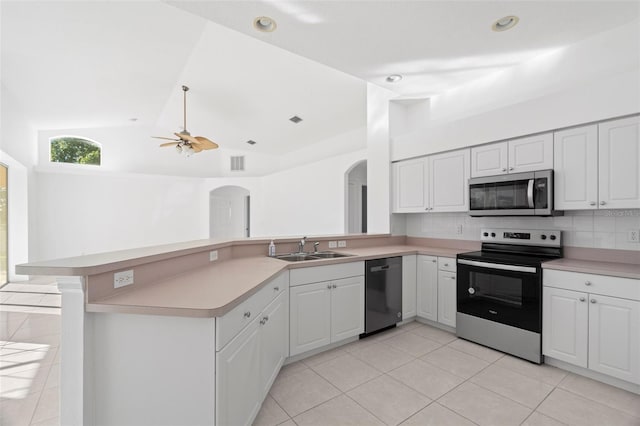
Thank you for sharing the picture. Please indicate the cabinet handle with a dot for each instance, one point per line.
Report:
(582, 299)
(434, 261)
(329, 286)
(446, 264)
(453, 278)
(276, 289)
(510, 168)
(247, 314)
(504, 169)
(587, 283)
(592, 203)
(602, 203)
(334, 286)
(593, 300)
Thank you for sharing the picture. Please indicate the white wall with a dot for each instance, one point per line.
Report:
(18, 220)
(588, 81)
(597, 229)
(80, 213)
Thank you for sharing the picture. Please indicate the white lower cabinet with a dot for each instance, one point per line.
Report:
(592, 329)
(427, 287)
(327, 311)
(409, 286)
(447, 305)
(248, 364)
(436, 288)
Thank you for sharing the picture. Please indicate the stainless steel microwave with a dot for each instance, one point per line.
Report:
(516, 194)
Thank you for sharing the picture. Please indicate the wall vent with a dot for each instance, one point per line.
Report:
(237, 163)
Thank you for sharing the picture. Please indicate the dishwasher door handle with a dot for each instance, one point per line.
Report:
(379, 268)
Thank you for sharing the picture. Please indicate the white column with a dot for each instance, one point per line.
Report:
(76, 406)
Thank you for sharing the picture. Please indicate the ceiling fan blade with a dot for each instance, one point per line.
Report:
(196, 148)
(207, 144)
(190, 139)
(169, 144)
(162, 137)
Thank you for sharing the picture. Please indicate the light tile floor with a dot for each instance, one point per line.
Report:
(412, 375)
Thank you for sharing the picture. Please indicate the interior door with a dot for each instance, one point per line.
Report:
(4, 234)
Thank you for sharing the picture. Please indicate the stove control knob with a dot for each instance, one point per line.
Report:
(472, 290)
(553, 237)
(493, 234)
(544, 237)
(485, 234)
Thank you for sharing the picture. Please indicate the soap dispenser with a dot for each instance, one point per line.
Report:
(272, 249)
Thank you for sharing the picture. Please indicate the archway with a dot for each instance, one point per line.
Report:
(229, 213)
(356, 198)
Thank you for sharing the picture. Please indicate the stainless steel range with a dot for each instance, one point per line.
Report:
(499, 290)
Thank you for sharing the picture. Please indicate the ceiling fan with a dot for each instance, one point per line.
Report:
(187, 144)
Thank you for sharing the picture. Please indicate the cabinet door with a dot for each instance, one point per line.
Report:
(565, 325)
(489, 160)
(449, 181)
(408, 286)
(274, 340)
(531, 153)
(410, 186)
(427, 287)
(447, 305)
(347, 308)
(238, 390)
(614, 337)
(619, 162)
(309, 317)
(575, 157)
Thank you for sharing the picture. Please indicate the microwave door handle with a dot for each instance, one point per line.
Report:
(530, 193)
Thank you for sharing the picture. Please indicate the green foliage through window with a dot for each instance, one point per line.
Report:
(69, 149)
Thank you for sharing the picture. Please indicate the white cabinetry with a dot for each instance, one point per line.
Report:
(515, 156)
(326, 305)
(427, 287)
(437, 183)
(598, 166)
(409, 271)
(410, 188)
(249, 361)
(437, 289)
(593, 321)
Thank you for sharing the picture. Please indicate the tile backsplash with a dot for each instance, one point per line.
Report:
(583, 228)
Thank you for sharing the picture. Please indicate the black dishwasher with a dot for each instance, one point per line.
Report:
(383, 294)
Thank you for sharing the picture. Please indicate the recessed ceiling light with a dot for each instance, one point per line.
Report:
(264, 24)
(505, 23)
(295, 119)
(394, 78)
(251, 142)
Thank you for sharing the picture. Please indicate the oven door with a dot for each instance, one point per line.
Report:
(508, 294)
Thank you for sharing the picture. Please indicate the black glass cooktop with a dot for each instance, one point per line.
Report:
(513, 255)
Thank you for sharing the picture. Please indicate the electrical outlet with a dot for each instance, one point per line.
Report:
(459, 229)
(333, 244)
(633, 236)
(342, 243)
(120, 279)
(213, 255)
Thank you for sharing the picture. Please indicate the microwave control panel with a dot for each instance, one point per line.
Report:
(532, 237)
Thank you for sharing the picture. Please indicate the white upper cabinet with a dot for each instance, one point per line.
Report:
(410, 186)
(576, 168)
(598, 166)
(519, 155)
(437, 183)
(449, 181)
(619, 161)
(489, 160)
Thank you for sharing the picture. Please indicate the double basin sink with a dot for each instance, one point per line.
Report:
(297, 257)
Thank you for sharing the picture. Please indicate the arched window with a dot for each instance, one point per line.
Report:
(75, 150)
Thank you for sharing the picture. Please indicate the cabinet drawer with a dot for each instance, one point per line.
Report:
(316, 274)
(447, 264)
(595, 284)
(239, 317)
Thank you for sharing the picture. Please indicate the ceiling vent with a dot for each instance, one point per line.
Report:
(295, 119)
(237, 163)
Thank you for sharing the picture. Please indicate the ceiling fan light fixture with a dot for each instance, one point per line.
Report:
(265, 24)
(506, 23)
(393, 78)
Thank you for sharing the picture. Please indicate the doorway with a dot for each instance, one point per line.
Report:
(356, 199)
(229, 213)
(4, 225)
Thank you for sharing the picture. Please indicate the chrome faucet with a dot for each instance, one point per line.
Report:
(301, 245)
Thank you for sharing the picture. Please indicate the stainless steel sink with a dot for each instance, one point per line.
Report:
(297, 257)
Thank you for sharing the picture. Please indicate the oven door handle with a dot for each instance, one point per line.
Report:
(530, 193)
(500, 266)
